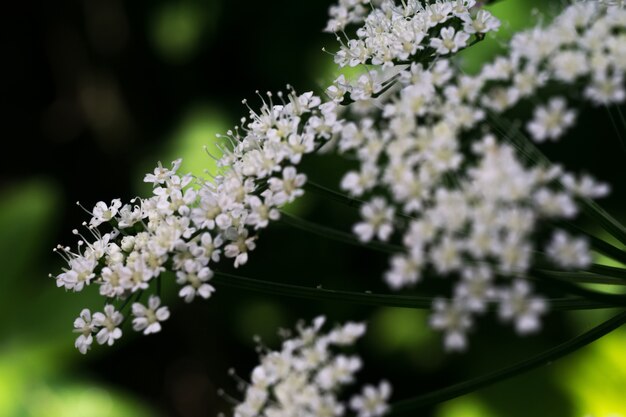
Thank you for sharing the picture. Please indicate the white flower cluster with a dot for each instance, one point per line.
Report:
(106, 325)
(461, 196)
(306, 376)
(392, 32)
(427, 151)
(189, 224)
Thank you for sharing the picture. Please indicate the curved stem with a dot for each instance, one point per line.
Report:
(366, 298)
(337, 235)
(533, 153)
(616, 300)
(610, 271)
(410, 406)
(582, 277)
(341, 197)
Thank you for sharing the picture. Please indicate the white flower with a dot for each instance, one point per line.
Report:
(450, 41)
(196, 283)
(483, 22)
(84, 325)
(605, 90)
(569, 252)
(568, 65)
(80, 274)
(518, 304)
(585, 186)
(454, 320)
(405, 269)
(306, 376)
(551, 121)
(287, 189)
(109, 322)
(161, 175)
(148, 318)
(378, 216)
(239, 247)
(103, 213)
(372, 402)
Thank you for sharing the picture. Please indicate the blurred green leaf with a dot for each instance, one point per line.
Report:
(465, 407)
(27, 213)
(260, 318)
(404, 331)
(178, 27)
(596, 379)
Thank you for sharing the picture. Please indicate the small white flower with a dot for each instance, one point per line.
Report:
(148, 318)
(605, 90)
(569, 65)
(518, 304)
(454, 320)
(450, 41)
(569, 252)
(483, 22)
(287, 189)
(551, 121)
(196, 283)
(84, 325)
(103, 213)
(378, 216)
(372, 402)
(405, 269)
(239, 247)
(585, 186)
(161, 175)
(109, 322)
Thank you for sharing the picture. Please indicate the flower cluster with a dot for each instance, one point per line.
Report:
(190, 224)
(443, 171)
(306, 376)
(106, 325)
(437, 149)
(392, 32)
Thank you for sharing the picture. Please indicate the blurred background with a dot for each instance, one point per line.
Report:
(97, 91)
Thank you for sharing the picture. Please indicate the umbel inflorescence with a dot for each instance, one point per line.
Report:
(449, 174)
(306, 376)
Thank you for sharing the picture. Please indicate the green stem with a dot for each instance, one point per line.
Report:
(528, 148)
(410, 406)
(583, 277)
(616, 300)
(600, 245)
(367, 298)
(340, 197)
(332, 194)
(608, 222)
(337, 235)
(609, 271)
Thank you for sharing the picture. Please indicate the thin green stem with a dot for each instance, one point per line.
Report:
(608, 222)
(616, 300)
(600, 245)
(332, 194)
(590, 207)
(609, 271)
(367, 298)
(620, 138)
(340, 197)
(583, 277)
(337, 235)
(410, 406)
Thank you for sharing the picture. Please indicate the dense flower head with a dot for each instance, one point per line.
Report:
(190, 224)
(394, 32)
(306, 376)
(443, 173)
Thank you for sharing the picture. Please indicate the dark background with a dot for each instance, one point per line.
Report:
(96, 91)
